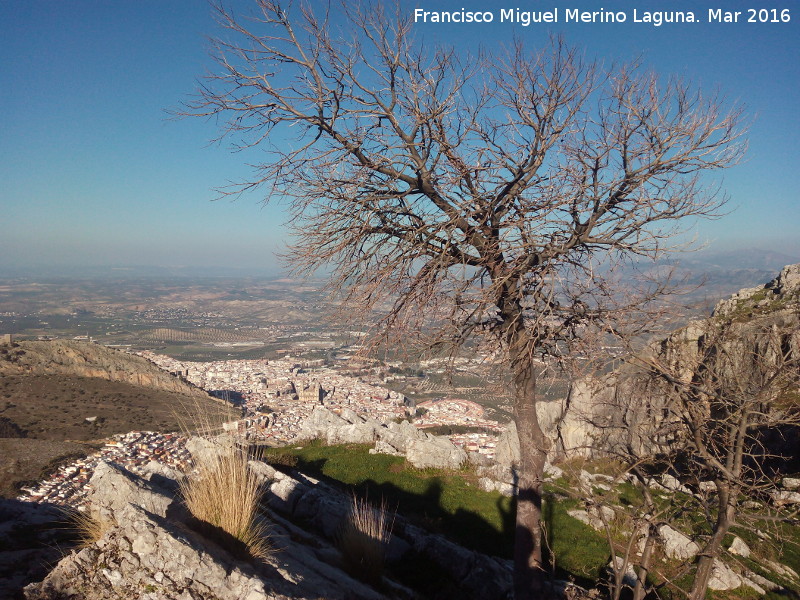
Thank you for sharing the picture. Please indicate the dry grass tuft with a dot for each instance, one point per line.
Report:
(89, 525)
(364, 539)
(226, 494)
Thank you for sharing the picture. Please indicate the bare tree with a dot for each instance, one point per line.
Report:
(722, 414)
(712, 411)
(484, 198)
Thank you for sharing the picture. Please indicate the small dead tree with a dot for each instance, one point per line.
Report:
(485, 198)
(723, 414)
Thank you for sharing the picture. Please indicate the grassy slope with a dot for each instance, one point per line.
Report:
(40, 396)
(450, 503)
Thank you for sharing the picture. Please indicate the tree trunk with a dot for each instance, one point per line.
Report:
(529, 573)
(640, 589)
(705, 564)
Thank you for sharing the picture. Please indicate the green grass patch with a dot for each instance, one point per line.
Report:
(449, 503)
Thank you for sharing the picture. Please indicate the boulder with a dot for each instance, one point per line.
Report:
(723, 578)
(783, 497)
(205, 449)
(791, 483)
(114, 487)
(145, 553)
(486, 484)
(677, 545)
(318, 423)
(435, 453)
(629, 578)
(673, 484)
(739, 548)
(595, 517)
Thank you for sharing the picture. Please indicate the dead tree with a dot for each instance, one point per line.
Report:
(453, 198)
(744, 386)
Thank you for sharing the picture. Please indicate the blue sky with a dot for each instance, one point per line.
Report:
(93, 171)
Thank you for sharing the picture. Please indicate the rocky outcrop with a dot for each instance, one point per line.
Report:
(154, 550)
(30, 537)
(323, 508)
(420, 449)
(625, 409)
(84, 359)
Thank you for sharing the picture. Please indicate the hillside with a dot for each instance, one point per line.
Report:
(81, 359)
(57, 397)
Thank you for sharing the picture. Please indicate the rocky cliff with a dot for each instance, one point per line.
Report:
(754, 330)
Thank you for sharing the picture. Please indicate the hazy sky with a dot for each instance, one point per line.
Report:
(94, 173)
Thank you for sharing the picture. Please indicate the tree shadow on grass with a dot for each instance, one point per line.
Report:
(468, 528)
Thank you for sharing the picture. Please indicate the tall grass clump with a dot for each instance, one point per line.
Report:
(225, 494)
(89, 525)
(364, 539)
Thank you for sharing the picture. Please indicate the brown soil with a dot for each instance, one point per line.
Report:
(51, 412)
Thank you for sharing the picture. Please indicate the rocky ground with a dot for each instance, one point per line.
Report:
(154, 551)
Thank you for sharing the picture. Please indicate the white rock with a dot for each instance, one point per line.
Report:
(506, 489)
(435, 453)
(791, 483)
(723, 577)
(752, 584)
(486, 484)
(781, 497)
(552, 471)
(781, 569)
(739, 548)
(595, 517)
(629, 578)
(677, 545)
(673, 484)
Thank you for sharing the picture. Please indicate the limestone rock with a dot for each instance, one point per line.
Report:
(132, 554)
(629, 578)
(205, 449)
(30, 536)
(723, 577)
(783, 497)
(595, 517)
(552, 471)
(707, 487)
(676, 544)
(114, 487)
(435, 453)
(673, 484)
(781, 569)
(791, 483)
(486, 484)
(382, 447)
(506, 452)
(739, 548)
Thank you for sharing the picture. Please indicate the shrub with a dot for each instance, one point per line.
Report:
(226, 494)
(364, 538)
(282, 459)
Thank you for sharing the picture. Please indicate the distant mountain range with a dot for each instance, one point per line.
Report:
(736, 267)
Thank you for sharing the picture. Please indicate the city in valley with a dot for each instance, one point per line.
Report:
(273, 349)
(259, 346)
